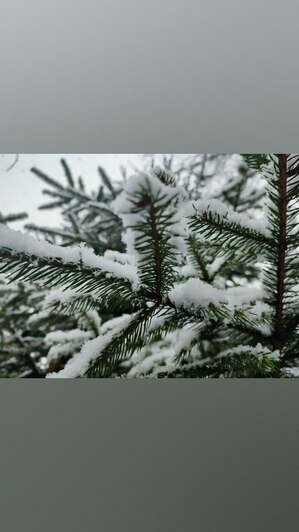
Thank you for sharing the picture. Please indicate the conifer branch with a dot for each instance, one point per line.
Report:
(228, 234)
(157, 252)
(175, 304)
(235, 363)
(199, 259)
(282, 246)
(123, 343)
(54, 272)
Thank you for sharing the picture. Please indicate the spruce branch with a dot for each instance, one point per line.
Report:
(185, 300)
(280, 274)
(152, 210)
(12, 217)
(241, 362)
(228, 235)
(196, 253)
(256, 161)
(282, 245)
(107, 181)
(68, 173)
(122, 344)
(54, 272)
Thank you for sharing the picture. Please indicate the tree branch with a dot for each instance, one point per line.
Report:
(282, 246)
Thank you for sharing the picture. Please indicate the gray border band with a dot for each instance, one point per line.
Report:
(148, 455)
(154, 76)
(151, 76)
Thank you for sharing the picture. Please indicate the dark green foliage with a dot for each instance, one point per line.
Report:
(87, 217)
(281, 278)
(12, 217)
(54, 272)
(241, 365)
(237, 243)
(181, 316)
(256, 161)
(152, 242)
(22, 325)
(229, 236)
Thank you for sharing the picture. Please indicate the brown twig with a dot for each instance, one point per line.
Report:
(199, 259)
(157, 252)
(282, 246)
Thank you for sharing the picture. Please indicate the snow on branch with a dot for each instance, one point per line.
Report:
(18, 242)
(174, 297)
(231, 305)
(221, 229)
(149, 210)
(194, 293)
(134, 203)
(242, 361)
(218, 208)
(152, 358)
(122, 205)
(78, 365)
(258, 351)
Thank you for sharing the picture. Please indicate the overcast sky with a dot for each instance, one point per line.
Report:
(22, 191)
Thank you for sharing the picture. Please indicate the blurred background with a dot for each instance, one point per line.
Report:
(22, 191)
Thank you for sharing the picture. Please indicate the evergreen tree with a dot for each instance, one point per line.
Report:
(34, 339)
(23, 324)
(192, 171)
(86, 217)
(176, 300)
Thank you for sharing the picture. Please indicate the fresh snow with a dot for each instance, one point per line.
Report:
(60, 295)
(195, 293)
(67, 336)
(24, 243)
(162, 353)
(219, 208)
(77, 366)
(17, 241)
(258, 351)
(240, 295)
(292, 372)
(122, 206)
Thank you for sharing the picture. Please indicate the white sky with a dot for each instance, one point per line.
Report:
(20, 190)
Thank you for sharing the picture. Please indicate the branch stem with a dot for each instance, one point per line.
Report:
(199, 259)
(157, 253)
(282, 246)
